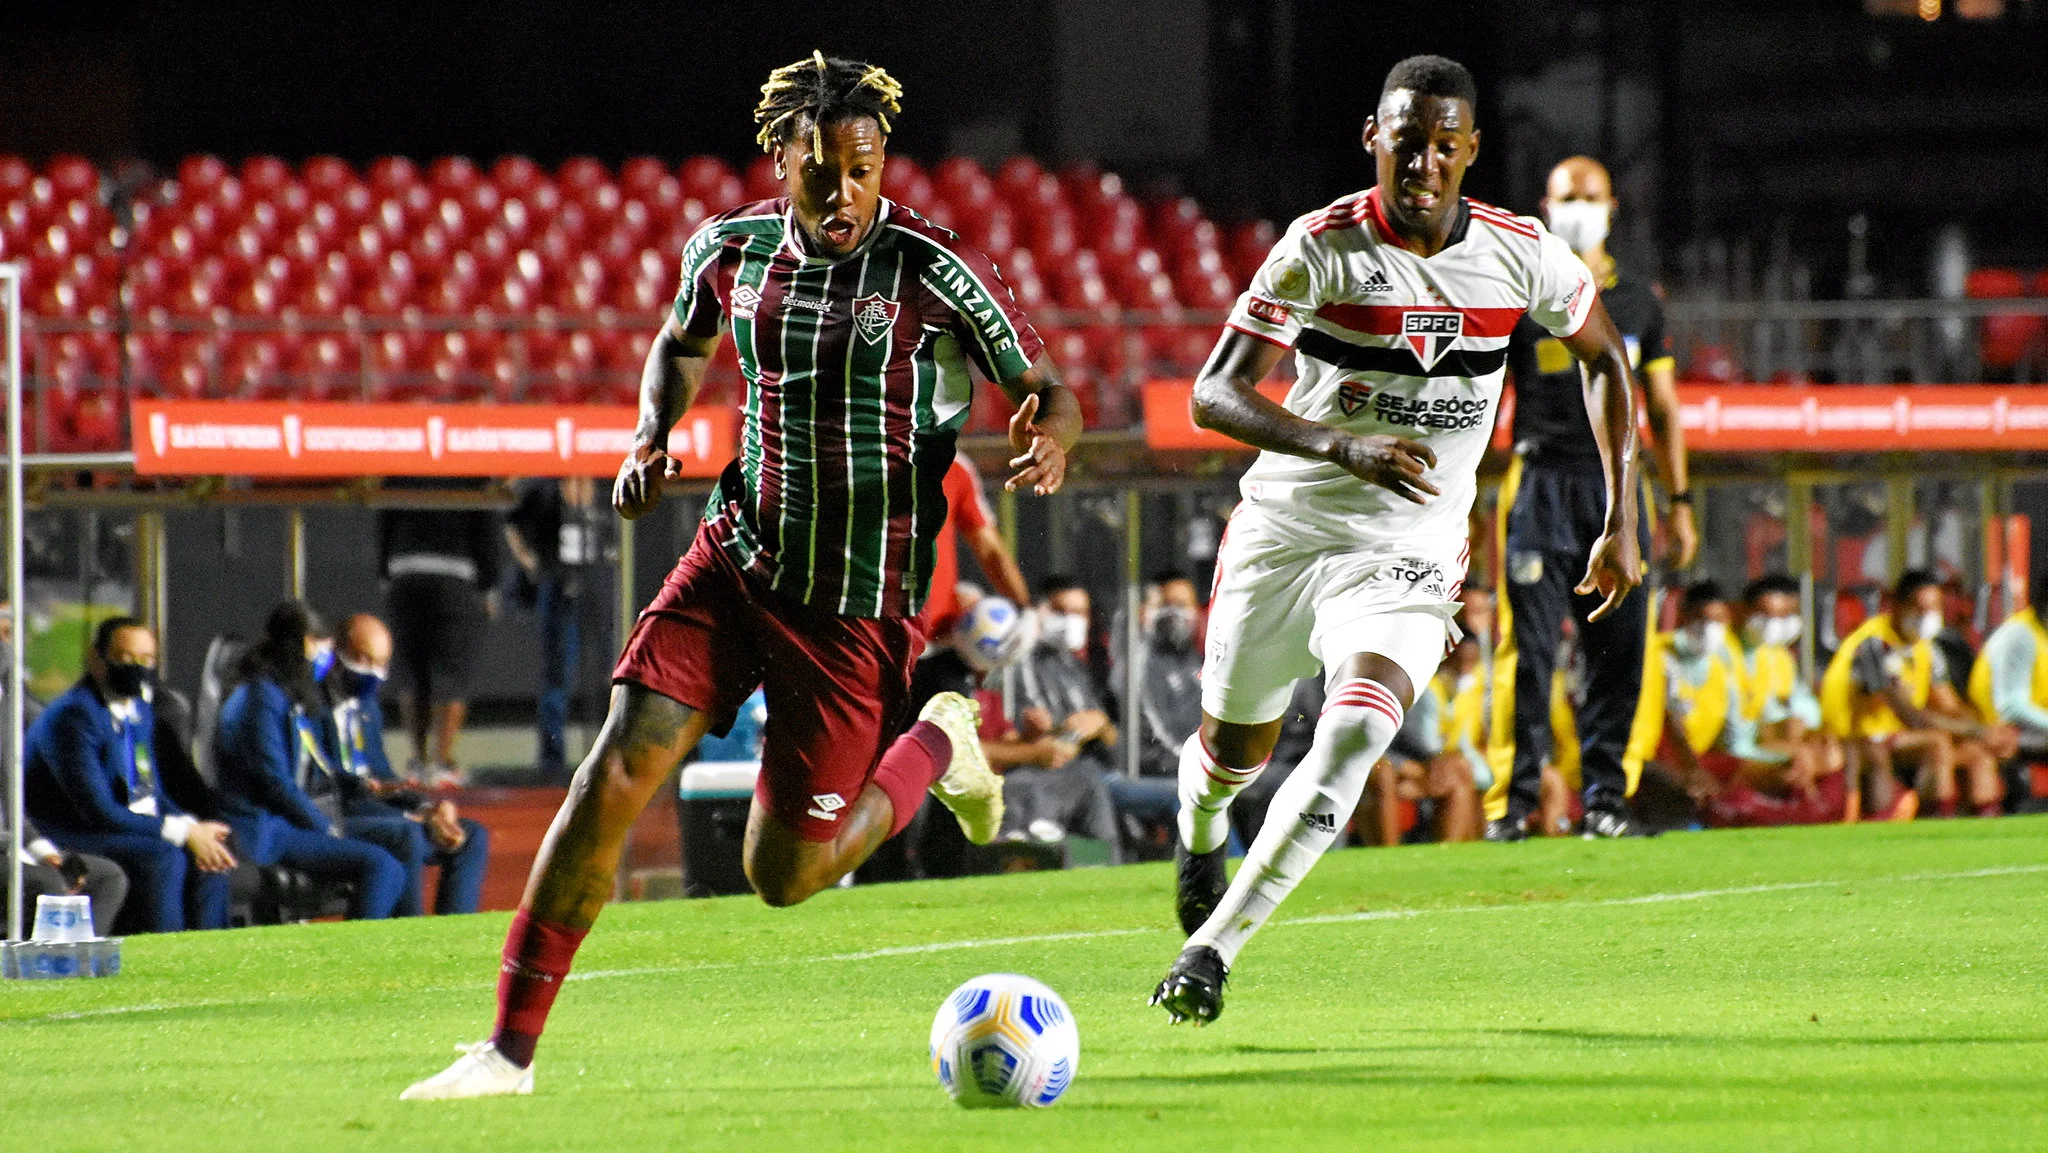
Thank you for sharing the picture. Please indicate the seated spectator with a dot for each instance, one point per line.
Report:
(89, 781)
(1886, 696)
(1052, 694)
(1806, 763)
(381, 808)
(47, 870)
(1434, 763)
(1691, 721)
(272, 743)
(2009, 681)
(1169, 708)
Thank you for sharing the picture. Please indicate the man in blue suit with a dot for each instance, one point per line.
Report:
(273, 741)
(89, 782)
(377, 805)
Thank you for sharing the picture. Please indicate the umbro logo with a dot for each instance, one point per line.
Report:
(1320, 822)
(826, 806)
(745, 298)
(1377, 282)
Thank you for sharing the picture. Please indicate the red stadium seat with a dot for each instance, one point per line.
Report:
(15, 175)
(453, 175)
(517, 175)
(326, 173)
(642, 174)
(760, 182)
(1248, 246)
(581, 173)
(326, 368)
(2006, 341)
(200, 174)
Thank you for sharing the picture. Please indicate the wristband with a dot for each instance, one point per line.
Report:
(1681, 497)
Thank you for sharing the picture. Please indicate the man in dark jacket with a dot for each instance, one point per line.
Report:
(89, 781)
(442, 566)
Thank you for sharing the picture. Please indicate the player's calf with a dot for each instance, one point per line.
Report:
(1211, 776)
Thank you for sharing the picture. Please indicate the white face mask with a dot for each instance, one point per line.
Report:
(1927, 625)
(1702, 638)
(1580, 223)
(1068, 630)
(1780, 631)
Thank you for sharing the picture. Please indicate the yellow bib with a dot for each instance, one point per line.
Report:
(1849, 712)
(1980, 673)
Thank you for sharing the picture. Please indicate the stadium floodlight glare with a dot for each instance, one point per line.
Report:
(10, 297)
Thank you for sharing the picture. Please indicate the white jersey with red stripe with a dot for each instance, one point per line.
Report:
(1391, 342)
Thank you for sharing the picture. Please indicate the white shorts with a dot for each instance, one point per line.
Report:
(1280, 612)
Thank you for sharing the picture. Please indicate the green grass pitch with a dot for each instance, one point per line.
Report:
(1861, 988)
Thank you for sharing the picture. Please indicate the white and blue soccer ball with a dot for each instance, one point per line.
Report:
(993, 634)
(1005, 1040)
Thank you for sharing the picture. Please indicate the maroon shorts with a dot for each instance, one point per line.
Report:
(836, 686)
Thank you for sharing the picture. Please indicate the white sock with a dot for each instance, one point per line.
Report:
(1205, 791)
(1357, 725)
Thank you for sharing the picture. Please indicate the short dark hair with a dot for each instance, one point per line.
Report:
(1912, 581)
(1438, 76)
(1168, 574)
(1769, 583)
(1056, 583)
(826, 88)
(104, 634)
(1699, 594)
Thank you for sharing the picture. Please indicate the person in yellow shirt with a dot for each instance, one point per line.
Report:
(1886, 696)
(2009, 682)
(1691, 722)
(1801, 760)
(1436, 761)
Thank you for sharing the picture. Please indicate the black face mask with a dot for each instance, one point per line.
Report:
(1173, 630)
(125, 680)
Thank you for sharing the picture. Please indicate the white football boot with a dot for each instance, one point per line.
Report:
(969, 788)
(481, 1071)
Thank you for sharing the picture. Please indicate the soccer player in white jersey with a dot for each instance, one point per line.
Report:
(1349, 547)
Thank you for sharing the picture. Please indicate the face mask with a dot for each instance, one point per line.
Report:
(1927, 626)
(1068, 630)
(362, 681)
(1779, 631)
(125, 680)
(1579, 223)
(1699, 639)
(1174, 628)
(1714, 636)
(322, 660)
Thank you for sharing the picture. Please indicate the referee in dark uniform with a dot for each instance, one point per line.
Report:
(1553, 504)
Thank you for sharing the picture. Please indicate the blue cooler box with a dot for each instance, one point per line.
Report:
(711, 809)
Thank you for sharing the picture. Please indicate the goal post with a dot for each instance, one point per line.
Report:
(10, 301)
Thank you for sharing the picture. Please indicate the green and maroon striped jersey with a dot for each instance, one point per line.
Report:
(857, 384)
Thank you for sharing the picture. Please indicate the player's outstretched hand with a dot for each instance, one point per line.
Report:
(1615, 567)
(1392, 463)
(1040, 462)
(640, 475)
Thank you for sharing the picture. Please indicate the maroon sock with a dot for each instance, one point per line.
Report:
(908, 770)
(537, 957)
(1991, 809)
(1945, 808)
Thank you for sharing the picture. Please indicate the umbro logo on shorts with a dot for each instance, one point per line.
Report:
(1320, 822)
(826, 806)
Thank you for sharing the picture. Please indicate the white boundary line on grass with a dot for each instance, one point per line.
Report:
(1098, 934)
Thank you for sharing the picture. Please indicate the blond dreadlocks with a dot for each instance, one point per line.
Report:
(828, 88)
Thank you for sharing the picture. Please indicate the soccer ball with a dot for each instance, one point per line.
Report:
(993, 634)
(1005, 1040)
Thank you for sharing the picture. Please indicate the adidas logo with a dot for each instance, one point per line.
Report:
(1320, 822)
(1377, 282)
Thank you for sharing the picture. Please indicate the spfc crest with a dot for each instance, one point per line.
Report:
(1352, 395)
(1431, 332)
(873, 316)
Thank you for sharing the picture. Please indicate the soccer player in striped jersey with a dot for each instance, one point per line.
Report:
(855, 321)
(1349, 548)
